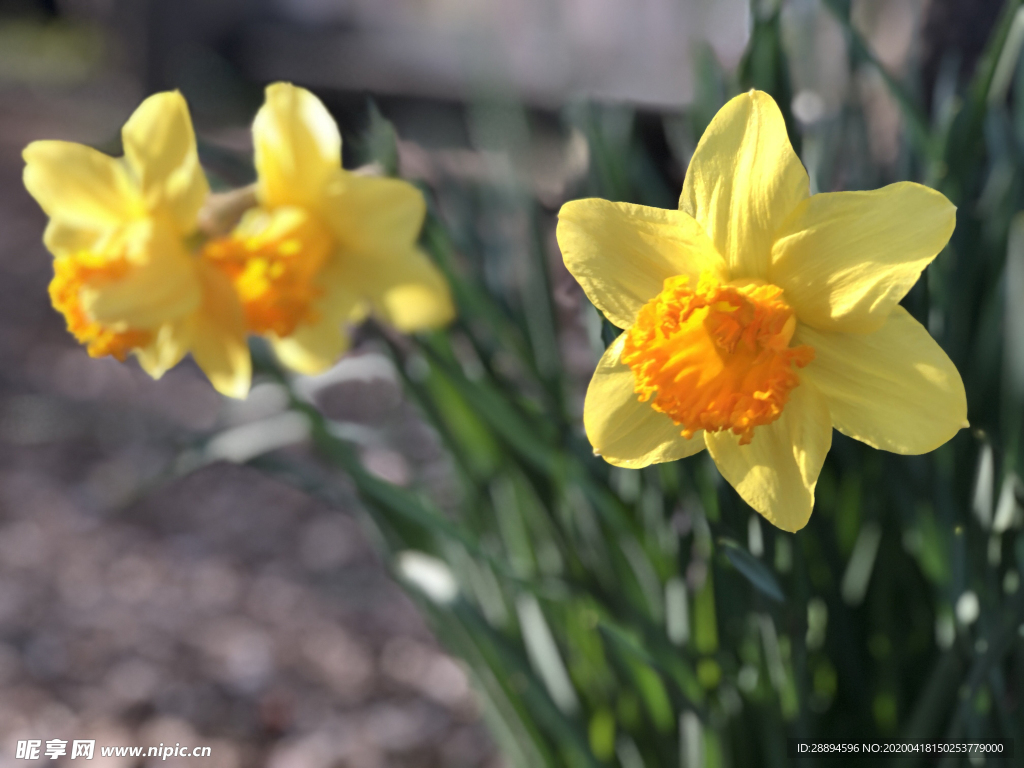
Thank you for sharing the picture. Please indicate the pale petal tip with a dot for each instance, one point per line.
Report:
(29, 151)
(788, 527)
(281, 86)
(235, 388)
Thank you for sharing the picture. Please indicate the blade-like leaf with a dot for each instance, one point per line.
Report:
(756, 572)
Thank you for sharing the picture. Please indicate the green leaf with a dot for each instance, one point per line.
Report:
(663, 657)
(380, 142)
(512, 721)
(765, 68)
(655, 697)
(915, 118)
(756, 572)
(705, 622)
(602, 734)
(965, 142)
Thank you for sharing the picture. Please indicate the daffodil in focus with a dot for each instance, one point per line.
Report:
(127, 277)
(758, 317)
(324, 247)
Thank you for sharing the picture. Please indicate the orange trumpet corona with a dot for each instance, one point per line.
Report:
(716, 357)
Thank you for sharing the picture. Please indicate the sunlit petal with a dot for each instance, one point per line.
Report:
(621, 254)
(314, 347)
(297, 147)
(79, 186)
(160, 149)
(743, 182)
(893, 389)
(218, 338)
(846, 259)
(169, 345)
(369, 213)
(160, 286)
(624, 431)
(777, 471)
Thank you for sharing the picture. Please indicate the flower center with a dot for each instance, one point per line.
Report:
(274, 259)
(71, 275)
(717, 357)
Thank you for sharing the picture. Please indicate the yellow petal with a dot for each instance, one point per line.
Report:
(169, 345)
(621, 254)
(846, 259)
(312, 349)
(403, 286)
(297, 147)
(218, 336)
(369, 213)
(64, 239)
(894, 389)
(79, 186)
(160, 149)
(743, 181)
(410, 292)
(376, 222)
(624, 431)
(777, 471)
(161, 285)
(315, 347)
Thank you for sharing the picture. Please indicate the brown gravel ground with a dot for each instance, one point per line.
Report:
(222, 609)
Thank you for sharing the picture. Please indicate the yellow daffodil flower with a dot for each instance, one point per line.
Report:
(759, 317)
(126, 277)
(324, 246)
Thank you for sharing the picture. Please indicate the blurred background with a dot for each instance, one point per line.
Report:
(140, 604)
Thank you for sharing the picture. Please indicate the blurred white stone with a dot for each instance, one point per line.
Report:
(241, 444)
(329, 542)
(428, 671)
(318, 750)
(167, 731)
(133, 680)
(387, 465)
(395, 729)
(340, 661)
(214, 585)
(355, 367)
(277, 600)
(132, 579)
(23, 545)
(264, 400)
(241, 654)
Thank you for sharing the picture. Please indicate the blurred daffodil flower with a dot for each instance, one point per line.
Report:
(323, 247)
(759, 317)
(123, 234)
